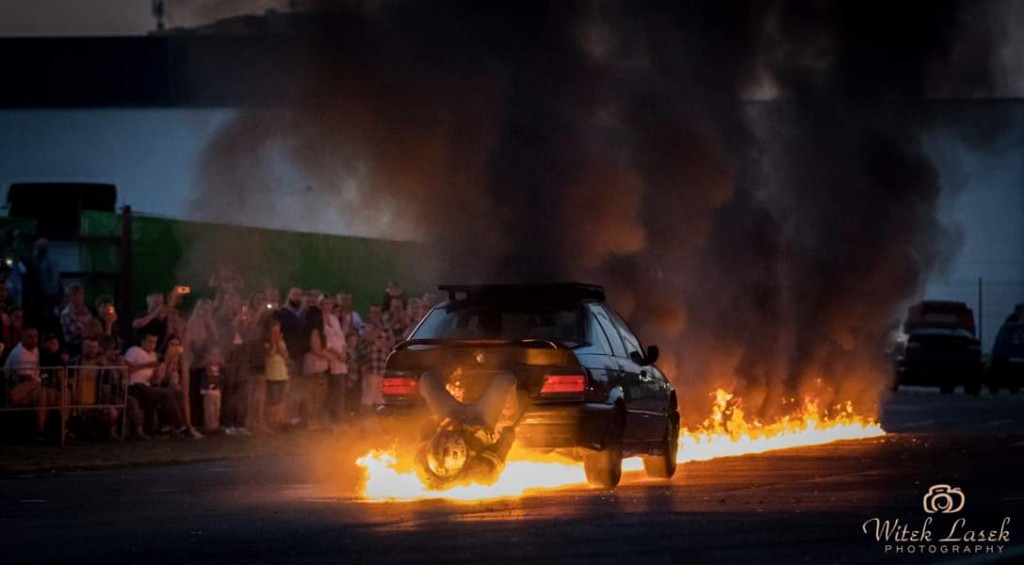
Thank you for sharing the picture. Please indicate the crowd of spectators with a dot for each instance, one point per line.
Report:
(239, 362)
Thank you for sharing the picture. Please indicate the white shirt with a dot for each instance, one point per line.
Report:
(23, 362)
(138, 356)
(335, 338)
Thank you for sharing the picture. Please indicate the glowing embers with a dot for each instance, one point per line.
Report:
(726, 433)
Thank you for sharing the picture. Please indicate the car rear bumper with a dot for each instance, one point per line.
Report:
(402, 420)
(928, 372)
(559, 426)
(543, 426)
(1008, 369)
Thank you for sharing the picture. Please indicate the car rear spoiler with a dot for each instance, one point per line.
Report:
(479, 342)
(570, 291)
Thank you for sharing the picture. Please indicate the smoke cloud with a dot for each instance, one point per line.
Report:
(747, 178)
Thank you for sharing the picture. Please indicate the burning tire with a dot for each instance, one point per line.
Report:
(664, 466)
(604, 468)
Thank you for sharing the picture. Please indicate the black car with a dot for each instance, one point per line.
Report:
(547, 367)
(1007, 368)
(938, 348)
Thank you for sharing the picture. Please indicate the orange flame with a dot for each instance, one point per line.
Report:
(726, 433)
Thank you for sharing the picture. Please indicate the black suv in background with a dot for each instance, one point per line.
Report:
(1007, 366)
(584, 385)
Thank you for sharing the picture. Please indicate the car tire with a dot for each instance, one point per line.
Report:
(664, 466)
(604, 468)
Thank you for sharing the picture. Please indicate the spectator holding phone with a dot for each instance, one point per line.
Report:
(142, 362)
(176, 323)
(106, 313)
(173, 373)
(154, 321)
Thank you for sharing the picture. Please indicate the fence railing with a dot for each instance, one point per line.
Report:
(65, 389)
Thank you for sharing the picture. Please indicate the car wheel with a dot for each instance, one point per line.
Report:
(664, 466)
(604, 468)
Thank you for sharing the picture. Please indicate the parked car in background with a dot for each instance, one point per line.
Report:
(938, 347)
(1007, 366)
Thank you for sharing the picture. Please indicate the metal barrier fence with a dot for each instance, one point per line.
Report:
(68, 389)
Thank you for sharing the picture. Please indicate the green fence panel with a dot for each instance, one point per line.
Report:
(16, 236)
(168, 253)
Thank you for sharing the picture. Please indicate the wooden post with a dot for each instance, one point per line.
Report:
(63, 405)
(125, 287)
(981, 312)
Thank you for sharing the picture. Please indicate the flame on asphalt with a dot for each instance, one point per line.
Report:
(726, 433)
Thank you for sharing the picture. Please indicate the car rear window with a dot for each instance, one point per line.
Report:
(502, 321)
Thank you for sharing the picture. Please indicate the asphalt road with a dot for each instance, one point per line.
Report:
(803, 505)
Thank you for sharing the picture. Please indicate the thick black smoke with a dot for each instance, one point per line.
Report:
(747, 177)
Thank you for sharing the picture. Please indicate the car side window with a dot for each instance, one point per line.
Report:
(632, 343)
(609, 329)
(596, 336)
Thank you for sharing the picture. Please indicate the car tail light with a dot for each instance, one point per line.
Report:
(398, 386)
(564, 384)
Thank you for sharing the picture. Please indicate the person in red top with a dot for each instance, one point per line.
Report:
(7, 342)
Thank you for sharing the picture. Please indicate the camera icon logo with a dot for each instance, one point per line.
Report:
(943, 499)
